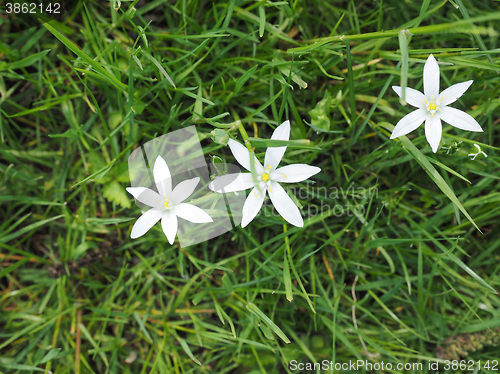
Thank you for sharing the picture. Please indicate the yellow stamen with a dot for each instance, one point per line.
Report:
(265, 177)
(283, 175)
(165, 204)
(432, 106)
(268, 167)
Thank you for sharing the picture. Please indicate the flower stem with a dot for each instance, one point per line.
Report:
(452, 27)
(245, 137)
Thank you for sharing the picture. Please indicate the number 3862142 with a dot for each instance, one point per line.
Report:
(32, 8)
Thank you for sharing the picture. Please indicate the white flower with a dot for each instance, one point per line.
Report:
(267, 179)
(433, 107)
(166, 204)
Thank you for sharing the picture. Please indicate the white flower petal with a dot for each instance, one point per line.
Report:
(285, 205)
(459, 119)
(169, 225)
(162, 176)
(183, 190)
(413, 97)
(145, 222)
(433, 132)
(242, 155)
(294, 173)
(282, 132)
(275, 154)
(146, 196)
(431, 77)
(232, 182)
(252, 205)
(409, 122)
(192, 213)
(452, 93)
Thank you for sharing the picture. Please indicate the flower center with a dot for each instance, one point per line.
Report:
(265, 177)
(165, 204)
(432, 106)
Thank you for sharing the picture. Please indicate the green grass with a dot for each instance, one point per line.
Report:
(401, 274)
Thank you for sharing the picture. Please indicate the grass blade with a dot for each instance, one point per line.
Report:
(435, 176)
(255, 310)
(94, 64)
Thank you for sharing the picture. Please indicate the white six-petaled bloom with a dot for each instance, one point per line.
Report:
(166, 204)
(266, 179)
(433, 107)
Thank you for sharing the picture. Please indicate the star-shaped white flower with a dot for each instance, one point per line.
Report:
(166, 204)
(267, 179)
(433, 107)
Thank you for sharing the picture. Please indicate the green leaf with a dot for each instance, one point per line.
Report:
(142, 327)
(448, 255)
(298, 80)
(186, 349)
(115, 193)
(70, 133)
(241, 82)
(48, 104)
(255, 310)
(159, 66)
(287, 279)
(299, 281)
(28, 228)
(435, 176)
(94, 64)
(350, 77)
(21, 367)
(403, 48)
(11, 268)
(95, 161)
(97, 175)
(266, 331)
(28, 61)
(198, 107)
(320, 114)
(264, 143)
(107, 221)
(449, 169)
(231, 325)
(262, 20)
(53, 353)
(186, 92)
(121, 172)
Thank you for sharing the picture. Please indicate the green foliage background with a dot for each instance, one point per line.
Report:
(403, 275)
